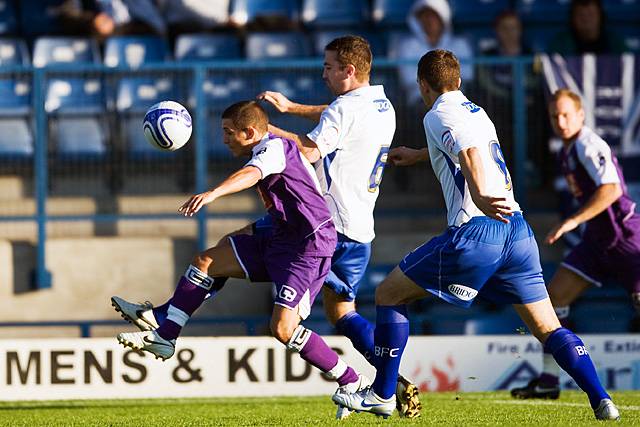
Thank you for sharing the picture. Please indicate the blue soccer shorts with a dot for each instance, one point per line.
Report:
(348, 264)
(497, 261)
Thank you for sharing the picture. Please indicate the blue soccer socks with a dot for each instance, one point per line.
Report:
(360, 331)
(391, 335)
(572, 356)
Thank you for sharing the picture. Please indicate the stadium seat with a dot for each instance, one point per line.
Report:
(476, 11)
(204, 47)
(8, 17)
(602, 317)
(321, 39)
(16, 139)
(303, 87)
(15, 96)
(335, 13)
(79, 137)
(65, 50)
(13, 52)
(622, 10)
(246, 11)
(543, 11)
(39, 17)
(391, 13)
(261, 46)
(221, 91)
(133, 51)
(631, 36)
(506, 322)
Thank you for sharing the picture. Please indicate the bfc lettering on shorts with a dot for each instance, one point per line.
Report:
(462, 292)
(386, 351)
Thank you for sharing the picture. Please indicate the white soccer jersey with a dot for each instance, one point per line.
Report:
(452, 125)
(353, 136)
(595, 155)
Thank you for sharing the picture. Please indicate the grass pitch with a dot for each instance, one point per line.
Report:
(459, 409)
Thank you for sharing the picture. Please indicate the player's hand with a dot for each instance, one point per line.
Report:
(559, 230)
(405, 156)
(196, 202)
(494, 207)
(278, 100)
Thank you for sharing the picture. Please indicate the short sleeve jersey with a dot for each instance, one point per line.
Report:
(354, 135)
(291, 194)
(451, 125)
(587, 163)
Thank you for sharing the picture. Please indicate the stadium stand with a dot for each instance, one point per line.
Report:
(8, 18)
(390, 13)
(476, 12)
(543, 11)
(245, 12)
(627, 11)
(335, 13)
(206, 47)
(282, 45)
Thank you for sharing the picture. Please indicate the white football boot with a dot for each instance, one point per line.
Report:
(366, 400)
(148, 341)
(407, 398)
(362, 383)
(140, 315)
(607, 410)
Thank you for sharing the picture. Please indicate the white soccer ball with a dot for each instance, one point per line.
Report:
(167, 126)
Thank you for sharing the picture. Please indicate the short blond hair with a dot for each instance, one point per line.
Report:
(564, 92)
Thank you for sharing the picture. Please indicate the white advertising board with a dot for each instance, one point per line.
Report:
(98, 368)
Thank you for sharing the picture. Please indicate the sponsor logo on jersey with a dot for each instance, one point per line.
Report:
(463, 292)
(473, 108)
(287, 293)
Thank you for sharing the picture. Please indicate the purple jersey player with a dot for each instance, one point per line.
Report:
(610, 245)
(296, 256)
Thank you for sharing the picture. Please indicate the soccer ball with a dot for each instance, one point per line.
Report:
(167, 126)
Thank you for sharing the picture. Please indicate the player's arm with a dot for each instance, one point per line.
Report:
(307, 147)
(604, 196)
(405, 156)
(285, 105)
(240, 180)
(473, 171)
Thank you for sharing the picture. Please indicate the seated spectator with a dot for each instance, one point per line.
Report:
(106, 18)
(587, 31)
(508, 29)
(430, 25)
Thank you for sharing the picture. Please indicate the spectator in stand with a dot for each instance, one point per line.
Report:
(587, 31)
(106, 18)
(430, 25)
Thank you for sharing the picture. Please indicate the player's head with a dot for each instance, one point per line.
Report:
(347, 64)
(566, 114)
(243, 126)
(438, 72)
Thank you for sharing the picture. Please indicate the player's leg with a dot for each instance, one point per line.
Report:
(189, 294)
(569, 352)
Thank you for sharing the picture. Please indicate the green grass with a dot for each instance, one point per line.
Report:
(460, 409)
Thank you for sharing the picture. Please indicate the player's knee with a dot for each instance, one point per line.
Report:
(282, 331)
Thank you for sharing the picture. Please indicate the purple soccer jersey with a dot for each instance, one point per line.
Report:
(586, 164)
(296, 255)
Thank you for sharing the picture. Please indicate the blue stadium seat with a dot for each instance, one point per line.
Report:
(39, 17)
(322, 37)
(15, 96)
(291, 123)
(631, 36)
(305, 88)
(602, 316)
(65, 50)
(246, 11)
(261, 46)
(135, 96)
(476, 11)
(13, 52)
(133, 51)
(204, 47)
(8, 17)
(79, 96)
(221, 91)
(538, 37)
(543, 11)
(79, 138)
(391, 13)
(506, 322)
(622, 10)
(335, 13)
(16, 139)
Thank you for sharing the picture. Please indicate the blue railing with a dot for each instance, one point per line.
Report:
(199, 71)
